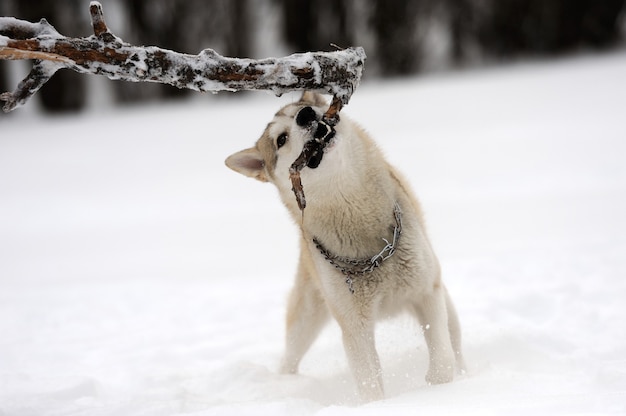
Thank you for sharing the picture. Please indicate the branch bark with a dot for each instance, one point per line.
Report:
(337, 73)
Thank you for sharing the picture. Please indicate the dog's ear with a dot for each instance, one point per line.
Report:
(313, 99)
(248, 162)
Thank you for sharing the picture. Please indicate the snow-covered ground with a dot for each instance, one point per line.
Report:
(139, 276)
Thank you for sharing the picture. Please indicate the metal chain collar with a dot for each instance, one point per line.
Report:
(358, 267)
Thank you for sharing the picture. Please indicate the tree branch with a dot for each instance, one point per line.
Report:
(337, 73)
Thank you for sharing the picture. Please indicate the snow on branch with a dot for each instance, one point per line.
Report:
(337, 73)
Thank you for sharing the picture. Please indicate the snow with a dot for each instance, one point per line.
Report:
(139, 276)
(41, 28)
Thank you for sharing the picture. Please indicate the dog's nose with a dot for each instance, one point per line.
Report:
(306, 116)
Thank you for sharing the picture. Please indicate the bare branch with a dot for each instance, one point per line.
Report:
(337, 73)
(97, 19)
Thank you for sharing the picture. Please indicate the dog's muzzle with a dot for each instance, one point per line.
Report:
(323, 133)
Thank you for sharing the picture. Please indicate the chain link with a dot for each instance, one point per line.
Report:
(357, 267)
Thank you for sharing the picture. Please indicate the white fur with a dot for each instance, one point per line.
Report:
(350, 201)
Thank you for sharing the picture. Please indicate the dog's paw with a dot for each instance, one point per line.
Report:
(288, 368)
(440, 374)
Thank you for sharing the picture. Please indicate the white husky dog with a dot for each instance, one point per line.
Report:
(364, 253)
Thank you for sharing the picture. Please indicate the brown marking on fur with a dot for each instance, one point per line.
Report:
(267, 149)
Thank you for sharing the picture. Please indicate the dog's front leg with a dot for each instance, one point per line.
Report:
(360, 346)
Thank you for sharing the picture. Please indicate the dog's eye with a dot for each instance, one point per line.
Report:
(281, 140)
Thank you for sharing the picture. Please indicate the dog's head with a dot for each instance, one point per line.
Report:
(281, 143)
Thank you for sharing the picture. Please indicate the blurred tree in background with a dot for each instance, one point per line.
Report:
(397, 46)
(67, 90)
(186, 26)
(401, 37)
(547, 27)
(310, 25)
(4, 71)
(4, 77)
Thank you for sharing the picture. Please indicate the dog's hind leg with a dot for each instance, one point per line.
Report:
(455, 334)
(432, 313)
(307, 314)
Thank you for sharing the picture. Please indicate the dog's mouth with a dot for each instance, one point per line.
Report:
(323, 134)
(312, 151)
